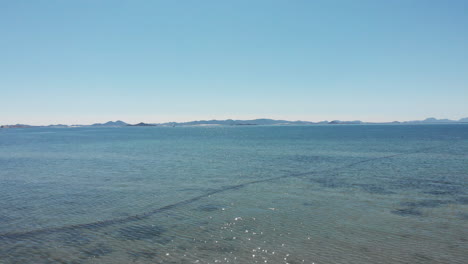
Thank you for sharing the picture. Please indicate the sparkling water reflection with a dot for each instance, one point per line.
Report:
(317, 194)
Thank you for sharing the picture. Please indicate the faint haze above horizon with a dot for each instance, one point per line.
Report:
(84, 62)
(241, 121)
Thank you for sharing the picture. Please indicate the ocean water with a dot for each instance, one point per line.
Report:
(237, 194)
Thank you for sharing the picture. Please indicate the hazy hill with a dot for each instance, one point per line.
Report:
(117, 123)
(143, 124)
(334, 122)
(432, 120)
(230, 122)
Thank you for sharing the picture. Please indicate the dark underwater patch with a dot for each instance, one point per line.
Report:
(435, 187)
(425, 203)
(407, 212)
(448, 189)
(462, 200)
(141, 232)
(438, 192)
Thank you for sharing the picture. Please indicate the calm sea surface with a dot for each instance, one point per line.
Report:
(240, 194)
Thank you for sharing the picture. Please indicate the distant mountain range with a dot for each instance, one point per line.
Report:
(262, 121)
(432, 120)
(230, 122)
(117, 123)
(265, 121)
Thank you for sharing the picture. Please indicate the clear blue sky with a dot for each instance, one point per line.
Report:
(155, 61)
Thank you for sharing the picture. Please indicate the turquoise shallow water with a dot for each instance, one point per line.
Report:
(250, 194)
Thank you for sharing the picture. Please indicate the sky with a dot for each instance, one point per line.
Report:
(82, 62)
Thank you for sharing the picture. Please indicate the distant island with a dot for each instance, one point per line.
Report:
(231, 122)
(141, 124)
(117, 123)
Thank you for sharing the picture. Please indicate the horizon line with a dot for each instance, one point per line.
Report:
(201, 120)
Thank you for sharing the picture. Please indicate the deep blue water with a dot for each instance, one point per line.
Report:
(240, 194)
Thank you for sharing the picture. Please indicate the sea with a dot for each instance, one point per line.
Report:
(235, 194)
